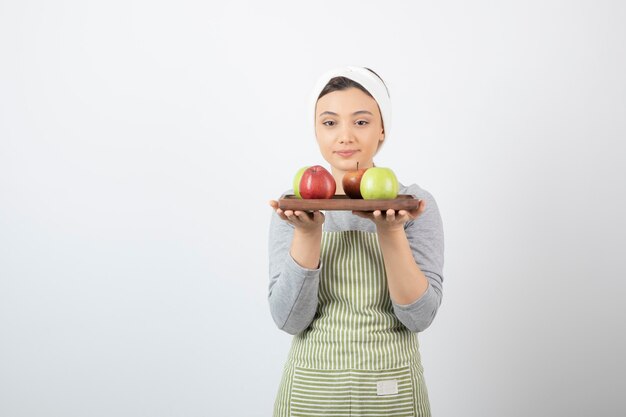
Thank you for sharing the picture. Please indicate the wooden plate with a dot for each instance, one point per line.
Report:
(343, 202)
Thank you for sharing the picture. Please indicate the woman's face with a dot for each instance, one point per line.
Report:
(349, 129)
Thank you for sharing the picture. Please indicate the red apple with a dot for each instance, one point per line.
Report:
(317, 182)
(352, 182)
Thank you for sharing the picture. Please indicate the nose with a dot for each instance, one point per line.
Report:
(346, 135)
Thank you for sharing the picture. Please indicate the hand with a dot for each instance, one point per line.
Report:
(392, 221)
(302, 220)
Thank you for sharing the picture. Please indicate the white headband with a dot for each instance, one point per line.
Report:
(368, 80)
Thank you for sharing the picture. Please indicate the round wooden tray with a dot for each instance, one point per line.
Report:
(343, 202)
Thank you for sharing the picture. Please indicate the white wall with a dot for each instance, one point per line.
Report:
(141, 140)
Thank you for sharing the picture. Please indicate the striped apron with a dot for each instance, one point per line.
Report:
(355, 358)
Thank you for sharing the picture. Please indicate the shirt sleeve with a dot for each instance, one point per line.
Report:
(293, 289)
(425, 236)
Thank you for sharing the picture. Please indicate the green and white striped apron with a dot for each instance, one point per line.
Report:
(356, 358)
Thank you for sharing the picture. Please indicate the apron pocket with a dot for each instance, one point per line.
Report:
(389, 392)
(352, 392)
(320, 392)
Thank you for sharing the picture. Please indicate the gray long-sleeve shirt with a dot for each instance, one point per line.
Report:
(293, 290)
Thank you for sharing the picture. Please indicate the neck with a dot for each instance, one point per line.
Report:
(338, 174)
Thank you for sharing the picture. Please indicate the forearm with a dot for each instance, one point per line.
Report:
(293, 296)
(405, 279)
(306, 247)
(293, 284)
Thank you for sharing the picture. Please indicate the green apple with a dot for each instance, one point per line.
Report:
(296, 181)
(379, 183)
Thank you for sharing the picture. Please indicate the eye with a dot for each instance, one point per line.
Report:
(328, 121)
(362, 121)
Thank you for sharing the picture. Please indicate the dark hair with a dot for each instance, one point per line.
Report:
(343, 83)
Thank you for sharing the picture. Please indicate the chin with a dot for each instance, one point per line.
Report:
(347, 164)
(350, 164)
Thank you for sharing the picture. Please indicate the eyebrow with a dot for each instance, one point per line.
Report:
(354, 114)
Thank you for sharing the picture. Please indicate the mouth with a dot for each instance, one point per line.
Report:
(346, 154)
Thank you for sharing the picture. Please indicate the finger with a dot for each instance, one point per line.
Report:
(281, 214)
(412, 214)
(318, 217)
(377, 215)
(302, 216)
(391, 215)
(403, 215)
(422, 206)
(290, 215)
(274, 205)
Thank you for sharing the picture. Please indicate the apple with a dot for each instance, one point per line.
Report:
(379, 183)
(317, 182)
(352, 182)
(296, 181)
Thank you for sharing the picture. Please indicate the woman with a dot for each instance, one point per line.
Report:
(354, 288)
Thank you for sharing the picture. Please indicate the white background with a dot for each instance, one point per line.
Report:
(141, 140)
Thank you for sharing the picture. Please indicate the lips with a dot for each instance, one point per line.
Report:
(346, 153)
